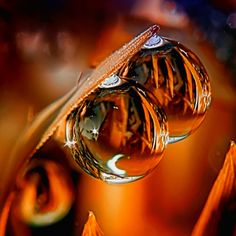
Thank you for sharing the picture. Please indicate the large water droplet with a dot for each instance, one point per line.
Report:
(118, 134)
(177, 79)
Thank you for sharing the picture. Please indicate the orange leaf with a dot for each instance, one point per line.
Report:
(220, 198)
(91, 228)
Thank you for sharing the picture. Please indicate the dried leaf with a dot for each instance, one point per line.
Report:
(220, 198)
(91, 228)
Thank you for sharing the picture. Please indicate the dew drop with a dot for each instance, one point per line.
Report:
(119, 134)
(178, 81)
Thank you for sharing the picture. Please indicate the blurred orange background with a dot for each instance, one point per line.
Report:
(42, 52)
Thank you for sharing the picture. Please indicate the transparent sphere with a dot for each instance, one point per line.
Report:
(118, 134)
(177, 79)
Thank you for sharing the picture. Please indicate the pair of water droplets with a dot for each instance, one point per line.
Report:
(120, 131)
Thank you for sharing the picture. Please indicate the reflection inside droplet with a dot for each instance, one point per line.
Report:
(110, 82)
(118, 134)
(112, 165)
(153, 42)
(177, 79)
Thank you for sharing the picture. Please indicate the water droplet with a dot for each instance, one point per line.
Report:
(119, 134)
(177, 79)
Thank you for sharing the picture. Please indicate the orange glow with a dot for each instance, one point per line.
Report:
(38, 204)
(5, 214)
(169, 201)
